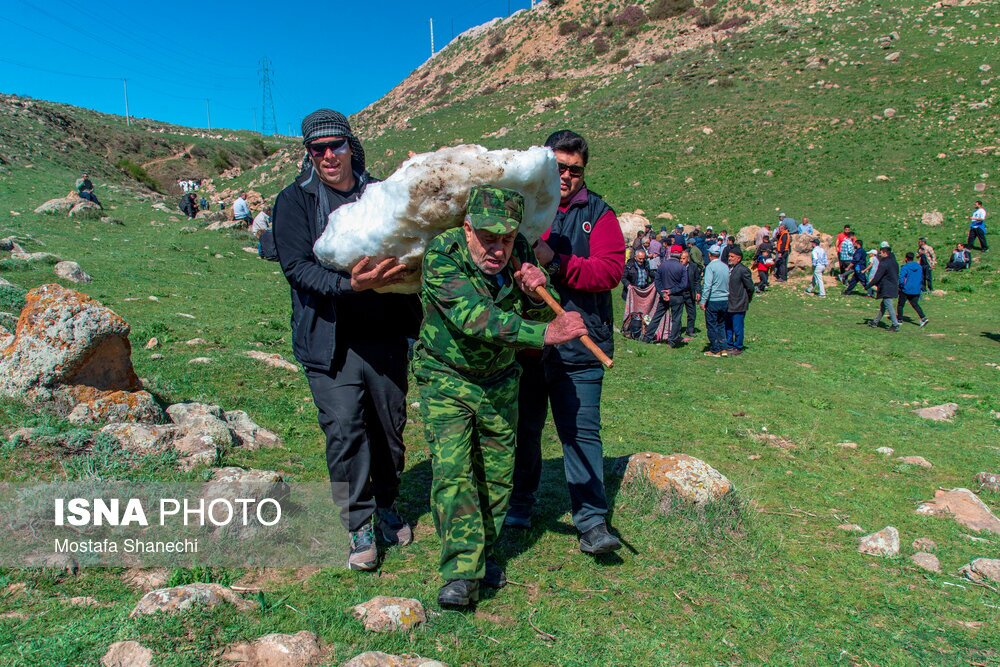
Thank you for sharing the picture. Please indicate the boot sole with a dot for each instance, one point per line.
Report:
(607, 549)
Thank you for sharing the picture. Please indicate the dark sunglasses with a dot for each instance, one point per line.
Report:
(575, 170)
(339, 147)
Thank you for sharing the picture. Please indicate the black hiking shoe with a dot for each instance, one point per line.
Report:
(393, 527)
(598, 540)
(458, 593)
(495, 578)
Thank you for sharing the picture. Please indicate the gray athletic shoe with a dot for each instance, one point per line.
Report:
(393, 528)
(364, 551)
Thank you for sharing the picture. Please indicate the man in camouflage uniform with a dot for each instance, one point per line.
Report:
(477, 311)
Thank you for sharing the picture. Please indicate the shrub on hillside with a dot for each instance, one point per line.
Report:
(630, 17)
(586, 31)
(601, 46)
(619, 55)
(668, 9)
(495, 56)
(733, 22)
(706, 18)
(137, 173)
(222, 161)
(569, 27)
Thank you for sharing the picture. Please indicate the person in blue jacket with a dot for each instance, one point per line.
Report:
(911, 277)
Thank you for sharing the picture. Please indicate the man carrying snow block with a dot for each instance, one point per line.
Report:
(480, 305)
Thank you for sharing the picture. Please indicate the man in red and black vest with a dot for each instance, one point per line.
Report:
(584, 253)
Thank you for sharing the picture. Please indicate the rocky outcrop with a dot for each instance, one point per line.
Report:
(60, 205)
(982, 570)
(183, 598)
(72, 272)
(86, 210)
(248, 433)
(202, 433)
(938, 413)
(142, 438)
(965, 507)
(389, 614)
(277, 650)
(70, 348)
(685, 476)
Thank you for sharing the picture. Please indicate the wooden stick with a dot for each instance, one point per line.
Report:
(557, 308)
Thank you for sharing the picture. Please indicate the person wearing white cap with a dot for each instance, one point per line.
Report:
(819, 264)
(715, 302)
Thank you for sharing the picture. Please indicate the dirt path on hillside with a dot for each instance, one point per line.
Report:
(176, 156)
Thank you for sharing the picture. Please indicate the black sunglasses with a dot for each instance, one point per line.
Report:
(575, 170)
(339, 147)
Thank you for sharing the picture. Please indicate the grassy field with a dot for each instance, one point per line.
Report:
(765, 577)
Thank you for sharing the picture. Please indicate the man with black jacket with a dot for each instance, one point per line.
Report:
(741, 290)
(693, 295)
(886, 281)
(671, 284)
(351, 339)
(584, 254)
(637, 272)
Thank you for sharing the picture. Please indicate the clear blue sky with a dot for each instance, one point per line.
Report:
(176, 55)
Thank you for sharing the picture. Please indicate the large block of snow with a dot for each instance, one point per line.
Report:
(429, 194)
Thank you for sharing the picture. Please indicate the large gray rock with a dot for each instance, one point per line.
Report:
(183, 598)
(938, 413)
(277, 650)
(202, 432)
(86, 209)
(72, 272)
(127, 654)
(61, 205)
(389, 614)
(883, 543)
(248, 433)
(142, 438)
(690, 478)
(72, 349)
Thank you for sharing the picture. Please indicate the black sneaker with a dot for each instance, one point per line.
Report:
(393, 528)
(364, 551)
(873, 324)
(495, 578)
(598, 540)
(458, 593)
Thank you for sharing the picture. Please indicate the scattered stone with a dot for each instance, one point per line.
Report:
(64, 563)
(236, 484)
(979, 187)
(196, 341)
(248, 433)
(926, 561)
(72, 272)
(938, 413)
(94, 406)
(964, 506)
(982, 569)
(924, 544)
(183, 598)
(152, 343)
(632, 224)
(142, 438)
(665, 216)
(847, 445)
(889, 113)
(277, 650)
(881, 178)
(203, 433)
(915, 461)
(156, 357)
(984, 68)
(688, 477)
(379, 659)
(932, 218)
(274, 360)
(60, 205)
(146, 579)
(989, 481)
(886, 451)
(32, 257)
(83, 602)
(127, 654)
(388, 614)
(8, 244)
(851, 528)
(86, 210)
(200, 360)
(250, 250)
(883, 543)
(893, 57)
(939, 292)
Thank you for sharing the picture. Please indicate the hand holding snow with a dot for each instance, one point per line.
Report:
(429, 194)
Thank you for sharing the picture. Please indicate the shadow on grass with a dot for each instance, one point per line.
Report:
(995, 337)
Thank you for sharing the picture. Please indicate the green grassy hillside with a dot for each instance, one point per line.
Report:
(764, 579)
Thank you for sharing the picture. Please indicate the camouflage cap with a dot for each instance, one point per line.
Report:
(495, 210)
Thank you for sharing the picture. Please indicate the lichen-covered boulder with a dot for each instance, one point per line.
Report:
(60, 205)
(142, 438)
(248, 433)
(388, 614)
(690, 478)
(183, 598)
(883, 543)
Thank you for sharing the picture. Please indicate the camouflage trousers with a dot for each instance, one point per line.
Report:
(470, 429)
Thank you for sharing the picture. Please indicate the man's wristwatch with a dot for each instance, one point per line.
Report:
(553, 267)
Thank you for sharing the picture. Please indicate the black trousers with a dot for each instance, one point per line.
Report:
(763, 277)
(913, 300)
(855, 280)
(781, 267)
(976, 233)
(362, 411)
(676, 307)
(927, 283)
(691, 308)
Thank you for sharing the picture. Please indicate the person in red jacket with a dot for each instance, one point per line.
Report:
(584, 254)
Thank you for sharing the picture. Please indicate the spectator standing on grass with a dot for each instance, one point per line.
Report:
(693, 294)
(741, 291)
(350, 338)
(782, 247)
(680, 238)
(977, 228)
(886, 284)
(671, 285)
(241, 210)
(806, 227)
(700, 241)
(961, 259)
(85, 189)
(694, 252)
(637, 241)
(870, 270)
(762, 264)
(819, 264)
(911, 278)
(845, 253)
(715, 302)
(262, 222)
(637, 273)
(857, 267)
(928, 260)
(584, 254)
(203, 204)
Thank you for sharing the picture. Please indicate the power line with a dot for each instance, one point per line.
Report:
(73, 75)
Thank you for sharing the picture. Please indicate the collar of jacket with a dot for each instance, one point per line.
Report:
(460, 248)
(579, 199)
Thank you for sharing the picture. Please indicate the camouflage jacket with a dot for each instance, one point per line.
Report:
(473, 322)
